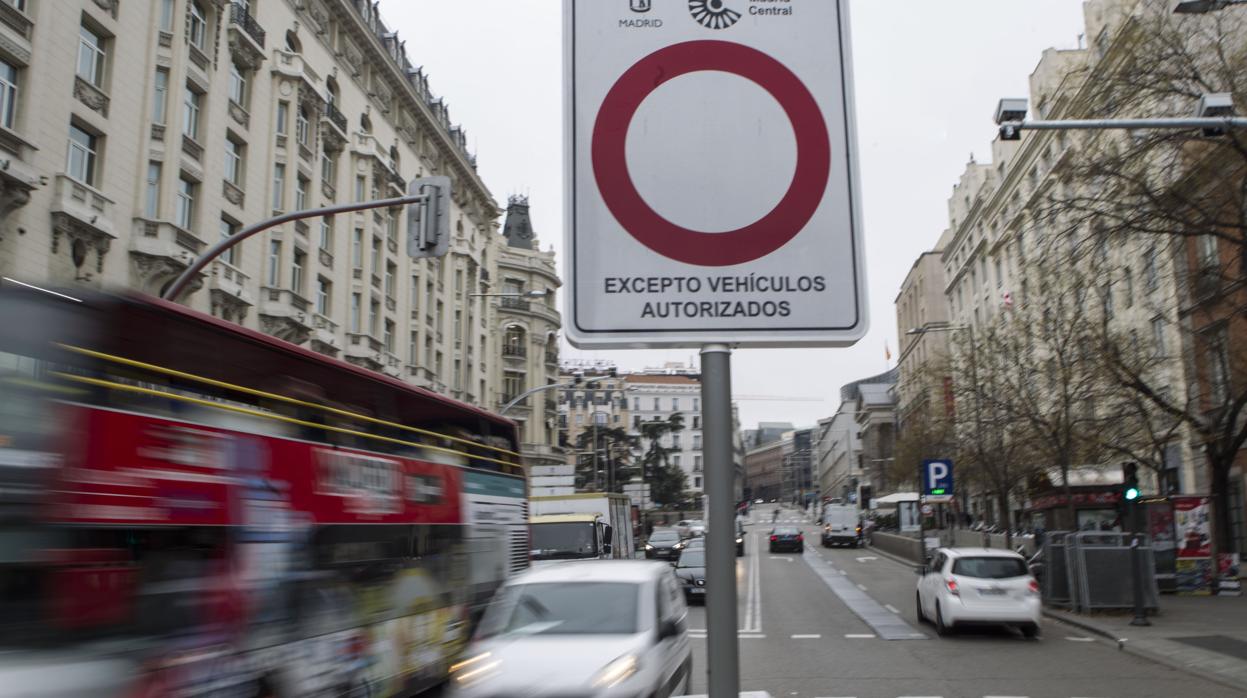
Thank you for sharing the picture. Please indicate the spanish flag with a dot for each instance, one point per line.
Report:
(887, 353)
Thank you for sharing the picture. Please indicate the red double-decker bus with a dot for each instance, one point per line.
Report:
(191, 508)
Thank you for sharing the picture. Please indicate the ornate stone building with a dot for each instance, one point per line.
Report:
(134, 134)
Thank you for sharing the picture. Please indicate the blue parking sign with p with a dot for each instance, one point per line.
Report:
(937, 478)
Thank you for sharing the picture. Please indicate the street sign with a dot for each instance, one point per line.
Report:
(937, 480)
(713, 193)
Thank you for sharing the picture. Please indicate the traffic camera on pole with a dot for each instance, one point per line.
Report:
(428, 220)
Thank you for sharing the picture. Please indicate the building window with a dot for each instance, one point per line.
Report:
(160, 96)
(298, 264)
(657, 408)
(151, 205)
(374, 316)
(233, 161)
(675, 404)
(675, 441)
(697, 482)
(192, 101)
(91, 55)
(356, 309)
(1108, 301)
(1000, 274)
(274, 263)
(301, 126)
(1150, 277)
(376, 255)
(228, 230)
(675, 460)
(324, 294)
(696, 421)
(166, 16)
(1208, 251)
(1128, 283)
(279, 186)
(361, 188)
(185, 213)
(237, 85)
(357, 249)
(283, 118)
(391, 226)
(197, 27)
(1218, 366)
(1158, 336)
(697, 465)
(391, 272)
(387, 338)
(326, 233)
(83, 151)
(696, 405)
(300, 193)
(636, 404)
(8, 94)
(696, 442)
(328, 168)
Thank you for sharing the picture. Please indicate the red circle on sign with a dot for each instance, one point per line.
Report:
(758, 239)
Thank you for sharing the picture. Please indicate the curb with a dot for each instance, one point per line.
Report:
(890, 556)
(1123, 644)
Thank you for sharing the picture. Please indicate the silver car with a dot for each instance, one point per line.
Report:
(606, 628)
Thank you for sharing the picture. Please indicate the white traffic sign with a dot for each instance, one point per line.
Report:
(713, 189)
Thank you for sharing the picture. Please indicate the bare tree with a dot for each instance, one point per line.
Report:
(1182, 196)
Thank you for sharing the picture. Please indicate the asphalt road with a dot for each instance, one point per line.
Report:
(799, 637)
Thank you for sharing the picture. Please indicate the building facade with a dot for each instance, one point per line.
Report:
(659, 394)
(838, 449)
(764, 468)
(528, 322)
(923, 331)
(136, 134)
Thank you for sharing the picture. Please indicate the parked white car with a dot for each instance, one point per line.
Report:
(971, 586)
(608, 629)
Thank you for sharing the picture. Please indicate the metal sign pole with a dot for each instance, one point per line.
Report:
(722, 652)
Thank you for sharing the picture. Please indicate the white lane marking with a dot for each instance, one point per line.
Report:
(752, 636)
(866, 559)
(844, 573)
(1006, 696)
(860, 636)
(862, 587)
(1079, 638)
(814, 636)
(785, 559)
(892, 608)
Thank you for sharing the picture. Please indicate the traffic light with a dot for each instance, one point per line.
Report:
(428, 222)
(1130, 481)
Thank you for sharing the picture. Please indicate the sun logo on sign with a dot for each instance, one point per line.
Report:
(713, 14)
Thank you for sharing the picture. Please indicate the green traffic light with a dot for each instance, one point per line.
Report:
(1132, 493)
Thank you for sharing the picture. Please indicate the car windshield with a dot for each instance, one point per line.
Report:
(664, 537)
(990, 567)
(563, 540)
(563, 608)
(787, 531)
(692, 558)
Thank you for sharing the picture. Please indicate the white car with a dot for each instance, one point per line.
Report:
(606, 628)
(971, 586)
(696, 528)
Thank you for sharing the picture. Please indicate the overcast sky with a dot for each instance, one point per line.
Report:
(928, 75)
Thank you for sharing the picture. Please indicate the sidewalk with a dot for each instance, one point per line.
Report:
(1202, 635)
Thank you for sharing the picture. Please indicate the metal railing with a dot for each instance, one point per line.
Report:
(514, 350)
(335, 116)
(516, 304)
(239, 15)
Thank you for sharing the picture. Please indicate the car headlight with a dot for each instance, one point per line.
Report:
(648, 546)
(473, 669)
(617, 672)
(678, 546)
(740, 540)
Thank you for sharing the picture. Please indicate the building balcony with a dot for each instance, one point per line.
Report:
(552, 358)
(241, 21)
(293, 65)
(513, 351)
(325, 335)
(80, 223)
(366, 351)
(336, 119)
(285, 315)
(160, 251)
(227, 290)
(16, 19)
(516, 304)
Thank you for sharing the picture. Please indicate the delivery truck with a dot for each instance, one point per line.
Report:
(593, 526)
